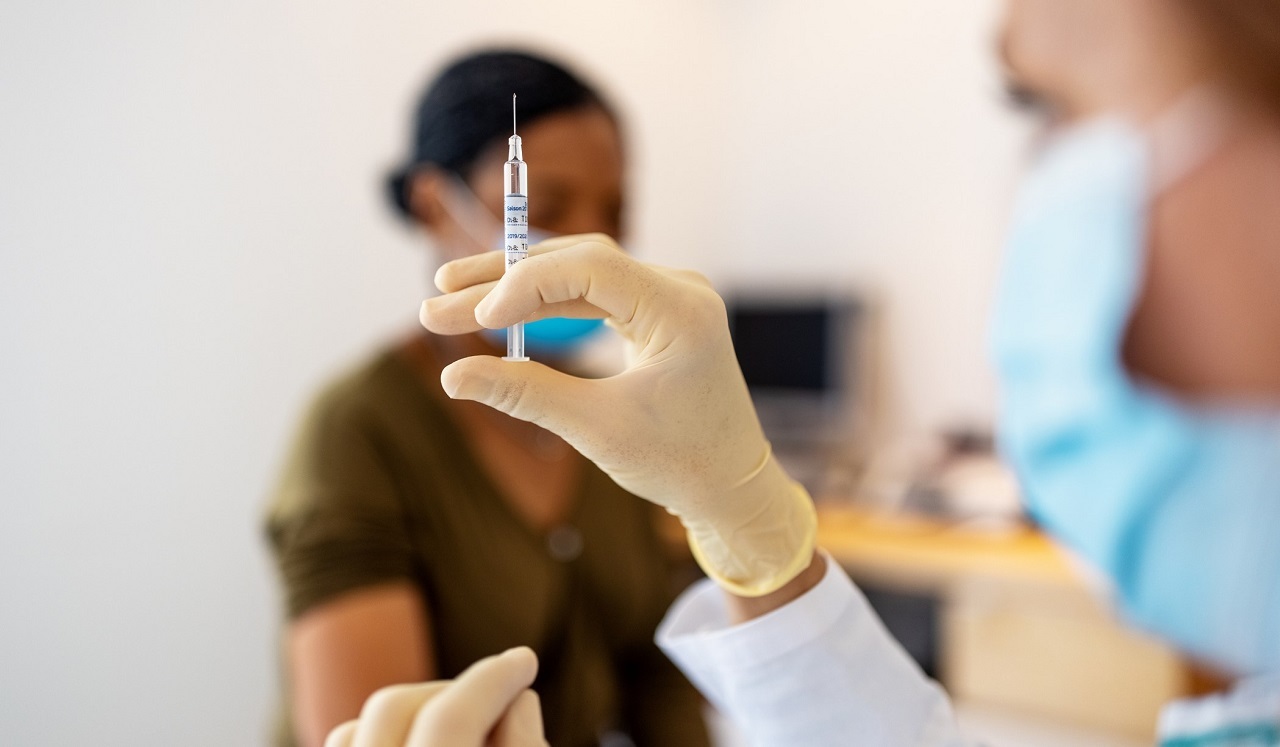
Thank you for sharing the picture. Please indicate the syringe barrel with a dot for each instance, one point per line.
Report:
(516, 219)
(516, 177)
(516, 212)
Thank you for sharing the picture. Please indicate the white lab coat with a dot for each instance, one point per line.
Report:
(821, 670)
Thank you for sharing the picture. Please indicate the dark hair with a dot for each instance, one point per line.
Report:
(467, 108)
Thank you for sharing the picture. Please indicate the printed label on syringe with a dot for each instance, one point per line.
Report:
(516, 209)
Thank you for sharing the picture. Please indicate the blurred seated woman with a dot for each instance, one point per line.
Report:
(415, 534)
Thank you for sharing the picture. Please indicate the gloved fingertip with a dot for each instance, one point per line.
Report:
(520, 652)
(523, 658)
(424, 314)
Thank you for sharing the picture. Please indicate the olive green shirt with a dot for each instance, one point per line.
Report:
(382, 486)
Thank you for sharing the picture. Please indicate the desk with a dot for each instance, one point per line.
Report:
(1021, 628)
(920, 553)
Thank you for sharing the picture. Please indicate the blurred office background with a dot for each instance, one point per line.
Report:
(193, 236)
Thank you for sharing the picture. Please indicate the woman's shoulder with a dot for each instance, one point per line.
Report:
(380, 387)
(354, 433)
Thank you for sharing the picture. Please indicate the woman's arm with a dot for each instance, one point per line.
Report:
(342, 651)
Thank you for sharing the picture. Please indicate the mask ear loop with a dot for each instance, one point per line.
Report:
(1184, 136)
(466, 209)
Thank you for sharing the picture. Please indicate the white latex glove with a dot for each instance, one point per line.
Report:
(677, 427)
(489, 705)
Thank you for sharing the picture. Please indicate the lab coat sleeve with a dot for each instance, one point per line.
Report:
(821, 670)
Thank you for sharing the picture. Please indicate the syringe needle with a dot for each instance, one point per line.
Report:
(513, 114)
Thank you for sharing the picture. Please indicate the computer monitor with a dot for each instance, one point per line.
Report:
(799, 355)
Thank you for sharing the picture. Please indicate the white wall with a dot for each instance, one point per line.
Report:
(192, 237)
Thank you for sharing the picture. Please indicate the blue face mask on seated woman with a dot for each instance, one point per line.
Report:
(1179, 504)
(557, 337)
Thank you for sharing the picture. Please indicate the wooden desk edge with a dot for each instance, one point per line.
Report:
(924, 553)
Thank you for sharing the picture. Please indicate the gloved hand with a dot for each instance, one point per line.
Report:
(489, 705)
(677, 427)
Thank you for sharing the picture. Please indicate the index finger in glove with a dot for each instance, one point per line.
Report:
(469, 271)
(522, 724)
(386, 717)
(489, 266)
(342, 735)
(473, 704)
(592, 271)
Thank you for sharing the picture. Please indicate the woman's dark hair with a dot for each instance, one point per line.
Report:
(467, 108)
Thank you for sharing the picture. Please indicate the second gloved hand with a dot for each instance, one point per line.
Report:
(489, 705)
(677, 427)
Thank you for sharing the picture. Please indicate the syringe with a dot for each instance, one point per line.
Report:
(516, 214)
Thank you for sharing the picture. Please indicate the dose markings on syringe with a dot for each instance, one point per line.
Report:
(516, 208)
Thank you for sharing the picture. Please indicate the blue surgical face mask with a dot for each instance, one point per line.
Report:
(1179, 505)
(557, 337)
